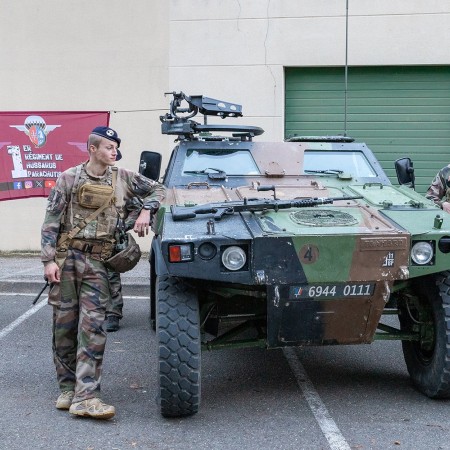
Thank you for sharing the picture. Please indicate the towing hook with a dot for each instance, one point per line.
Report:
(210, 227)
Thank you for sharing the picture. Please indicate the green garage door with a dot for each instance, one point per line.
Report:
(396, 111)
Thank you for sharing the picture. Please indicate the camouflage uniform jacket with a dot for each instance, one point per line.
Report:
(64, 212)
(439, 191)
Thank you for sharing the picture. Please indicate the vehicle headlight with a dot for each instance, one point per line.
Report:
(234, 258)
(422, 253)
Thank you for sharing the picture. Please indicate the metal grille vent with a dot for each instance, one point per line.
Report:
(322, 218)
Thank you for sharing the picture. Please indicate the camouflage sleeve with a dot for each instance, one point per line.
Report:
(148, 190)
(438, 189)
(138, 190)
(143, 188)
(56, 206)
(133, 208)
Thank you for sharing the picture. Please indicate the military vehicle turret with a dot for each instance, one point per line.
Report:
(294, 243)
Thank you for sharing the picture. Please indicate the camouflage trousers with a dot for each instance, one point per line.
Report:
(115, 305)
(78, 316)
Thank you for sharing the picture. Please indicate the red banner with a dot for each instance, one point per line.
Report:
(35, 147)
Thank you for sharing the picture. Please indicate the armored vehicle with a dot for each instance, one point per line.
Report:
(295, 243)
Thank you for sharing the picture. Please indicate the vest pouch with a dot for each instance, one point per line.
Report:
(94, 195)
(127, 255)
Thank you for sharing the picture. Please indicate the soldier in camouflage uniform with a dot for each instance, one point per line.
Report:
(439, 190)
(138, 219)
(115, 304)
(74, 248)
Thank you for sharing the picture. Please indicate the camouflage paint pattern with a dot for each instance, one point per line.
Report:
(358, 245)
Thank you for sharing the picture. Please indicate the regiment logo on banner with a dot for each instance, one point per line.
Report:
(36, 129)
(36, 147)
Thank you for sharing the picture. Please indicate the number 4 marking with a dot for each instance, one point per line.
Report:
(308, 254)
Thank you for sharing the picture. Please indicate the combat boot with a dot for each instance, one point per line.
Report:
(65, 400)
(112, 323)
(92, 407)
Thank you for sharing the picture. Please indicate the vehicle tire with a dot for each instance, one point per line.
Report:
(178, 331)
(428, 360)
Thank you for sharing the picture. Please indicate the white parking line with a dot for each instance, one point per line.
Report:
(15, 294)
(21, 280)
(27, 294)
(22, 318)
(328, 426)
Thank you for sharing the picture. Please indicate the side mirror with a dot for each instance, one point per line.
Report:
(405, 171)
(150, 165)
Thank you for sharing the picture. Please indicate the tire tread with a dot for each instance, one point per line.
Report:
(178, 331)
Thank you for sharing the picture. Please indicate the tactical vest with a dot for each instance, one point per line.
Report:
(88, 194)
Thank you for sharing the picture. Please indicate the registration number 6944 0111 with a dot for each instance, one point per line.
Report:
(337, 290)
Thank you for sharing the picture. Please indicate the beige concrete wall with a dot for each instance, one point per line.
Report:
(116, 55)
(102, 55)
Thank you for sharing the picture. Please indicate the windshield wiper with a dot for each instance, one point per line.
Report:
(220, 175)
(326, 171)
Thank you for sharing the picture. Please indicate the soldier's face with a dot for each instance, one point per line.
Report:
(105, 153)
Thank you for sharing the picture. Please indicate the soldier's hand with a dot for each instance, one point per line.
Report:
(142, 224)
(446, 206)
(51, 272)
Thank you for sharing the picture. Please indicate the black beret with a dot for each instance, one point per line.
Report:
(109, 133)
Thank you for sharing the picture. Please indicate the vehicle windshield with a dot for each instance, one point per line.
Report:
(237, 162)
(354, 163)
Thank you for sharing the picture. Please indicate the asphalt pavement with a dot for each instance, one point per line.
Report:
(311, 398)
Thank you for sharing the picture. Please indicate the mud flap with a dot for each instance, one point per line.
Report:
(316, 321)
